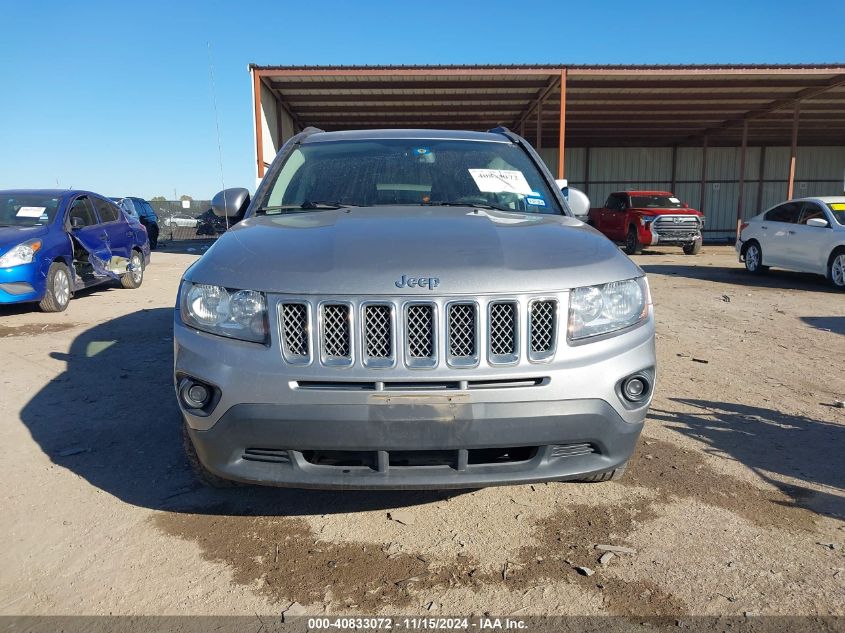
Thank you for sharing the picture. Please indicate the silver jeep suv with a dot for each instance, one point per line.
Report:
(410, 309)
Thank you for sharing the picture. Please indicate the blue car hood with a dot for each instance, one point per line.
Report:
(13, 235)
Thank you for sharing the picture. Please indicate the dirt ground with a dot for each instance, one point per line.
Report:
(733, 504)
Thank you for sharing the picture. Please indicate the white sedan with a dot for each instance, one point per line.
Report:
(807, 235)
(180, 220)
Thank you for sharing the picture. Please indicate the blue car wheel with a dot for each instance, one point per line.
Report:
(57, 292)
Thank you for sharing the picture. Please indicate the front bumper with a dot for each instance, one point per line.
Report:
(20, 284)
(269, 428)
(652, 237)
(413, 446)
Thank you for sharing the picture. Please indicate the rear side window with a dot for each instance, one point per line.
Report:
(787, 212)
(108, 211)
(82, 211)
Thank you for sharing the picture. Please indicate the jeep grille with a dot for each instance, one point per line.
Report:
(418, 333)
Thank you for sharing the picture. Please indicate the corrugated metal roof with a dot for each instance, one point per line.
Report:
(839, 65)
(606, 104)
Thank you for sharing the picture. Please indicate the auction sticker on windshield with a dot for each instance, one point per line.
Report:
(500, 181)
(31, 212)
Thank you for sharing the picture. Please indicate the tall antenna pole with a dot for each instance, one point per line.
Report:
(217, 125)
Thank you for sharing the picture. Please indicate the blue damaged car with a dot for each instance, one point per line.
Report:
(55, 242)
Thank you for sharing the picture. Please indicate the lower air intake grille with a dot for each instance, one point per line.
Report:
(572, 450)
(272, 455)
(336, 342)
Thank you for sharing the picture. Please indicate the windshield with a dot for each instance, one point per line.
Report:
(838, 211)
(27, 209)
(409, 172)
(655, 202)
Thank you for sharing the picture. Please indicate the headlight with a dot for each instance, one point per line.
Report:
(240, 314)
(647, 220)
(595, 310)
(20, 254)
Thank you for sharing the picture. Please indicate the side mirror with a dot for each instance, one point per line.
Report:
(76, 223)
(685, 205)
(231, 203)
(579, 203)
(820, 223)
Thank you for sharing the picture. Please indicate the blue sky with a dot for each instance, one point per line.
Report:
(116, 97)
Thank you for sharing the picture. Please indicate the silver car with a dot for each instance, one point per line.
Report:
(806, 235)
(410, 309)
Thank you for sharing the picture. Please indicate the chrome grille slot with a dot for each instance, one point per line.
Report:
(420, 339)
(503, 332)
(542, 326)
(295, 332)
(462, 334)
(336, 338)
(378, 335)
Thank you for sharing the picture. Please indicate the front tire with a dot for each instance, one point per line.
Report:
(608, 475)
(204, 475)
(693, 248)
(57, 295)
(633, 246)
(754, 259)
(152, 234)
(836, 269)
(134, 278)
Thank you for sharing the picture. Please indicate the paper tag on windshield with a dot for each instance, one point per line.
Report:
(500, 181)
(675, 200)
(31, 212)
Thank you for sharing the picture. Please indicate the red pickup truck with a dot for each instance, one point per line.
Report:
(647, 218)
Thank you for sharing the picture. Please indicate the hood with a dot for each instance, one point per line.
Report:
(653, 211)
(13, 235)
(366, 251)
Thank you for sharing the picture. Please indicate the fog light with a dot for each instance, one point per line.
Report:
(198, 393)
(194, 394)
(635, 388)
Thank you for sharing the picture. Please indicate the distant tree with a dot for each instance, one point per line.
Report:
(186, 197)
(158, 199)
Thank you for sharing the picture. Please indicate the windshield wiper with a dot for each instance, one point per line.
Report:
(474, 205)
(308, 205)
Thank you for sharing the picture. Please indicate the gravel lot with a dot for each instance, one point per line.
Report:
(734, 502)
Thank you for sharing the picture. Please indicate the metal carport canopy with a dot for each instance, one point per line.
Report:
(577, 106)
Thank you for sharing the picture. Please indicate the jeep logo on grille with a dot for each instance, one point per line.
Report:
(417, 282)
